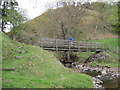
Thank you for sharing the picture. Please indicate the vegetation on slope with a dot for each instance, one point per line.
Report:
(113, 60)
(33, 67)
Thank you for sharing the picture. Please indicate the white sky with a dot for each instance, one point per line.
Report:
(34, 7)
(37, 7)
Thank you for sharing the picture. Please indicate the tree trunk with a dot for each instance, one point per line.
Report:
(3, 14)
(2, 27)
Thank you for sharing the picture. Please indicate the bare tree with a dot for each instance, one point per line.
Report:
(66, 19)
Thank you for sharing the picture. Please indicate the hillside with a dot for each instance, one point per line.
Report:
(27, 66)
(83, 24)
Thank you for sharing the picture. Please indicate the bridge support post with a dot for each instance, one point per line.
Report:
(68, 55)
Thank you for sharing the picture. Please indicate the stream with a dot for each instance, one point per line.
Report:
(108, 81)
(103, 77)
(113, 83)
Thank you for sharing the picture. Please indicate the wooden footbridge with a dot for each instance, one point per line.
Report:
(75, 46)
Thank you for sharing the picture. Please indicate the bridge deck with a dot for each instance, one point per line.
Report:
(66, 45)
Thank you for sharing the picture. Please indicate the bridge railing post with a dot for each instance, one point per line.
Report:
(78, 46)
(56, 44)
(41, 43)
(103, 46)
(69, 49)
(95, 45)
(98, 46)
(69, 44)
(86, 46)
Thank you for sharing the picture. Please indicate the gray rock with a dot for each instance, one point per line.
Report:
(98, 81)
(104, 72)
(19, 57)
(22, 52)
(20, 47)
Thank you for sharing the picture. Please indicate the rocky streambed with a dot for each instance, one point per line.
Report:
(103, 76)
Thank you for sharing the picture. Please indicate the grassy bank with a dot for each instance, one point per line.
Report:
(106, 64)
(113, 60)
(36, 68)
(111, 41)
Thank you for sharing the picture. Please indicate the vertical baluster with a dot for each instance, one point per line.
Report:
(94, 46)
(78, 46)
(56, 44)
(41, 44)
(86, 46)
(69, 46)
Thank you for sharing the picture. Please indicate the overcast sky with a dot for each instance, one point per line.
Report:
(34, 7)
(37, 7)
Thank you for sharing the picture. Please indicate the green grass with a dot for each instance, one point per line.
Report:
(111, 44)
(113, 60)
(111, 41)
(110, 64)
(85, 55)
(37, 68)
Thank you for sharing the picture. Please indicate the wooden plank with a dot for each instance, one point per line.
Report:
(75, 50)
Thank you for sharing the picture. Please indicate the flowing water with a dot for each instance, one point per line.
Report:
(93, 73)
(113, 83)
(107, 82)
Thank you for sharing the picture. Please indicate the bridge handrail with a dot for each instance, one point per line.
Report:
(50, 39)
(66, 43)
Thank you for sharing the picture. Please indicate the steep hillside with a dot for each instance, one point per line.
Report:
(27, 66)
(82, 23)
